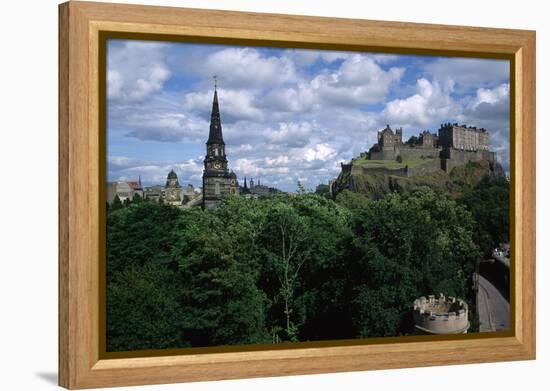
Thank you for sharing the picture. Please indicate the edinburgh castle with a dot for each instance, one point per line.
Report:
(452, 146)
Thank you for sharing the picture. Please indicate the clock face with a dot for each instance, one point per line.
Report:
(217, 165)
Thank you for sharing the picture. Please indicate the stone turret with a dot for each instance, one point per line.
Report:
(440, 315)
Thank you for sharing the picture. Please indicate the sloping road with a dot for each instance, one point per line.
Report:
(493, 309)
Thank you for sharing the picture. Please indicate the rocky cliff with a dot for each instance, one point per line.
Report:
(378, 185)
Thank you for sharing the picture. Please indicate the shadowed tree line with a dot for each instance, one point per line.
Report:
(289, 268)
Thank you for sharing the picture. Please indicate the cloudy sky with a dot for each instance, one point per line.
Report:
(287, 115)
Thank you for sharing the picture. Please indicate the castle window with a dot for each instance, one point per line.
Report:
(216, 151)
(217, 188)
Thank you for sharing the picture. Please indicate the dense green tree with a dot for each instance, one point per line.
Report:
(117, 204)
(323, 190)
(489, 204)
(285, 268)
(143, 311)
(221, 302)
(405, 246)
(140, 233)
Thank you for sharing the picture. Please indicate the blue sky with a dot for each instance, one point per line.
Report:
(287, 115)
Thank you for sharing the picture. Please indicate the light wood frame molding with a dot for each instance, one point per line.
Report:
(80, 24)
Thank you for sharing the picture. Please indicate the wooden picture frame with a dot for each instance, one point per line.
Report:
(81, 24)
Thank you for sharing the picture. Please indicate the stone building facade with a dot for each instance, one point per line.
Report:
(463, 138)
(172, 190)
(217, 180)
(125, 190)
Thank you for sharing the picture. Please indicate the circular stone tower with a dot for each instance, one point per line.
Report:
(440, 315)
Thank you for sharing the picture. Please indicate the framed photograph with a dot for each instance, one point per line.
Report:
(247, 195)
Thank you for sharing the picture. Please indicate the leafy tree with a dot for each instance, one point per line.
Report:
(489, 204)
(286, 268)
(140, 233)
(405, 246)
(322, 189)
(117, 204)
(221, 302)
(143, 311)
(412, 141)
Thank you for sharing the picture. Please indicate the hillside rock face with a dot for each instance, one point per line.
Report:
(378, 185)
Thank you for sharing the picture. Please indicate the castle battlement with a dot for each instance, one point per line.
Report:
(441, 315)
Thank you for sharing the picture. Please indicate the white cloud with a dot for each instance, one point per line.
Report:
(247, 67)
(431, 104)
(236, 104)
(490, 109)
(154, 172)
(166, 127)
(290, 134)
(321, 152)
(135, 70)
(499, 93)
(469, 72)
(358, 81)
(290, 114)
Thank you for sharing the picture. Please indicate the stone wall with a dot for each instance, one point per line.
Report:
(440, 315)
(455, 157)
(383, 155)
(407, 152)
(431, 165)
(380, 171)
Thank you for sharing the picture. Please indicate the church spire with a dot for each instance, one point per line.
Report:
(245, 186)
(215, 135)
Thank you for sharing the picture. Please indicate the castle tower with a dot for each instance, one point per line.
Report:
(172, 189)
(399, 135)
(217, 181)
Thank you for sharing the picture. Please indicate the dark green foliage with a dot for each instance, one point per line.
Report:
(143, 311)
(140, 233)
(221, 302)
(406, 246)
(285, 268)
(117, 204)
(489, 204)
(412, 141)
(399, 159)
(322, 189)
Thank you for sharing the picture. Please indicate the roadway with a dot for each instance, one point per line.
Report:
(493, 309)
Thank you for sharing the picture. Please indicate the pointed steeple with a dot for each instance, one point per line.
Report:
(245, 186)
(215, 135)
(139, 181)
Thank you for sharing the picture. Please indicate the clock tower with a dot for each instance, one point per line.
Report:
(217, 180)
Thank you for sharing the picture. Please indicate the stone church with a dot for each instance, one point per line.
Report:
(217, 180)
